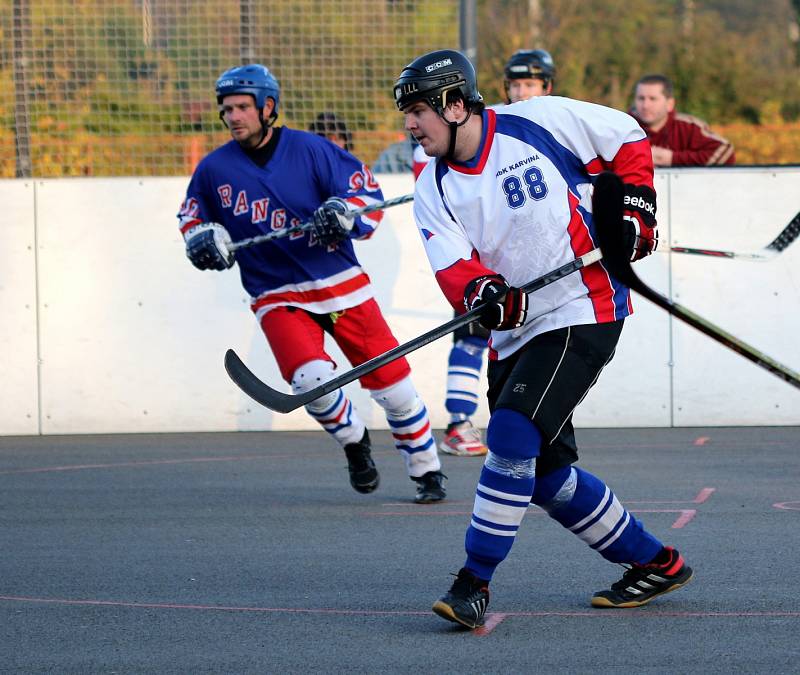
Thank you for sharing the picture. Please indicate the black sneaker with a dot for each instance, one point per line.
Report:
(430, 487)
(363, 474)
(466, 601)
(641, 583)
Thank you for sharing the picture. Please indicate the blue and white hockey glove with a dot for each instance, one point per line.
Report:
(207, 246)
(503, 307)
(330, 224)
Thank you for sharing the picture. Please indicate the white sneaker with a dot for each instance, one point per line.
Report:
(464, 440)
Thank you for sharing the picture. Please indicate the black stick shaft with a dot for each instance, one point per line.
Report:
(280, 402)
(608, 195)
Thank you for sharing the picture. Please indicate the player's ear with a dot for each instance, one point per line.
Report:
(456, 110)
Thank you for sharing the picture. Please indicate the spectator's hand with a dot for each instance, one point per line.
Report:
(330, 223)
(503, 307)
(207, 246)
(661, 156)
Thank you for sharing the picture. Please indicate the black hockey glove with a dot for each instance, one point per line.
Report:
(330, 224)
(503, 307)
(207, 246)
(639, 213)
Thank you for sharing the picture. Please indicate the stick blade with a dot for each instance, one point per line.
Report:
(256, 389)
(787, 236)
(607, 203)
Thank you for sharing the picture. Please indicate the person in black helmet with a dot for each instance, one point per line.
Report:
(528, 73)
(329, 126)
(508, 199)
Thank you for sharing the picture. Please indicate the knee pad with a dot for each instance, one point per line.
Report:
(399, 400)
(313, 374)
(514, 443)
(555, 489)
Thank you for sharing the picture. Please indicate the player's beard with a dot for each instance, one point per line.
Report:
(251, 141)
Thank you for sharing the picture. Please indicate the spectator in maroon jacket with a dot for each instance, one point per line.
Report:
(676, 139)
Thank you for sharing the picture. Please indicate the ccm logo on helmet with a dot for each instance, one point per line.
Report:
(225, 83)
(439, 64)
(641, 203)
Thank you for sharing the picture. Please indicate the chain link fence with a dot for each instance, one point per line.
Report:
(126, 87)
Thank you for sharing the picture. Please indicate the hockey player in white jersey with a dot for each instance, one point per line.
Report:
(303, 286)
(508, 199)
(527, 73)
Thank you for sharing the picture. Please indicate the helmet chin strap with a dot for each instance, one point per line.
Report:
(453, 132)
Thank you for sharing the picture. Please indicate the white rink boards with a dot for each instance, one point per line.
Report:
(108, 328)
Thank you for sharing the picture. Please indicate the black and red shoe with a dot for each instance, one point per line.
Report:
(641, 583)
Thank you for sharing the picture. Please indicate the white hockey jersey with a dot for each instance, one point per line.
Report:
(522, 207)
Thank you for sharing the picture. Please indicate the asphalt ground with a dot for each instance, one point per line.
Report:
(250, 553)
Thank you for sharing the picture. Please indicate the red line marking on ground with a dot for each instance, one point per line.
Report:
(684, 518)
(594, 614)
(704, 494)
(416, 506)
(150, 462)
(492, 621)
(432, 512)
(682, 521)
(788, 506)
(701, 497)
(701, 440)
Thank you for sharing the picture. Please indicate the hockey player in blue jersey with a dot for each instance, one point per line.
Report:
(509, 198)
(304, 285)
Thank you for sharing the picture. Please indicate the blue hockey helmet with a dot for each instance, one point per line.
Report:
(431, 77)
(253, 79)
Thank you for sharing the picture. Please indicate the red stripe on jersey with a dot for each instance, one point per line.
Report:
(634, 164)
(312, 295)
(188, 226)
(491, 120)
(601, 293)
(413, 436)
(596, 166)
(454, 279)
(359, 203)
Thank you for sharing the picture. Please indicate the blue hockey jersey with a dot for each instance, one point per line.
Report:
(248, 200)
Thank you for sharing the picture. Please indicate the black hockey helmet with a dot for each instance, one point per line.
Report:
(530, 64)
(328, 124)
(435, 77)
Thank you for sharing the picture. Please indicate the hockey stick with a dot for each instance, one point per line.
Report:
(284, 403)
(607, 207)
(304, 227)
(776, 246)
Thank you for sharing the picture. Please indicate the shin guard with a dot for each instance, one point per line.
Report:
(584, 505)
(408, 419)
(463, 377)
(504, 490)
(333, 411)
